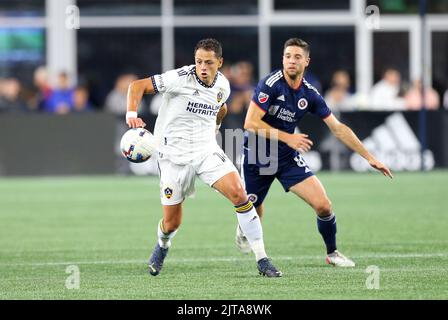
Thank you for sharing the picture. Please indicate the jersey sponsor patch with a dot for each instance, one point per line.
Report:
(273, 110)
(263, 97)
(302, 104)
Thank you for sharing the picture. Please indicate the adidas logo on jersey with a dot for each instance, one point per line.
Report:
(196, 92)
(396, 145)
(281, 98)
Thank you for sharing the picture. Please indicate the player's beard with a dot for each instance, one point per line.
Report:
(294, 75)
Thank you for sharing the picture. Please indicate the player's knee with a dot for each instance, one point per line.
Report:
(237, 194)
(323, 208)
(172, 224)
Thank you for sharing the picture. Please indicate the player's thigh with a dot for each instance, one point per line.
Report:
(171, 189)
(313, 192)
(218, 172)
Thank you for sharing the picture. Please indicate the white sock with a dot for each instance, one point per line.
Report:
(251, 226)
(164, 238)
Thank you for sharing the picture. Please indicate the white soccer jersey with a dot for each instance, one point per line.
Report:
(185, 126)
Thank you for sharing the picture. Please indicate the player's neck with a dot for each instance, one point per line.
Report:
(294, 83)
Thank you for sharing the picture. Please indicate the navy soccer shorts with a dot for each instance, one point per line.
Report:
(289, 172)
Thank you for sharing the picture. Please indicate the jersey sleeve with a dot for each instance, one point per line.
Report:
(264, 95)
(169, 81)
(320, 107)
(226, 93)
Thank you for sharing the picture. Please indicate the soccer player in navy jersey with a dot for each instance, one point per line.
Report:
(279, 103)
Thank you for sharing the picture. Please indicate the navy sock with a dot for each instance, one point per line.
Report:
(327, 228)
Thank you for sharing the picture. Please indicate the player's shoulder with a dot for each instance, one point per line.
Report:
(184, 71)
(222, 80)
(310, 89)
(272, 79)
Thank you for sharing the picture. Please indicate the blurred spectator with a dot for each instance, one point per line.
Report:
(10, 99)
(61, 100)
(385, 93)
(81, 100)
(226, 70)
(44, 90)
(116, 99)
(338, 97)
(241, 87)
(414, 99)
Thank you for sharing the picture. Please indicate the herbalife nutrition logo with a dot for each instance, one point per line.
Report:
(396, 145)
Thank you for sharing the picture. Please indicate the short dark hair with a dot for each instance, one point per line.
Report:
(296, 42)
(209, 44)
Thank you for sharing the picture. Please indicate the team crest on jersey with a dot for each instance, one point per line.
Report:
(219, 96)
(168, 193)
(273, 110)
(263, 97)
(302, 104)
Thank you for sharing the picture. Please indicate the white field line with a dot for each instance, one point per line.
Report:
(228, 259)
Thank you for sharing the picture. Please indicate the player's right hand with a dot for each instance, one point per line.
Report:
(135, 123)
(299, 142)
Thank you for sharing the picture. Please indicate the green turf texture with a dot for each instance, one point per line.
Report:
(106, 226)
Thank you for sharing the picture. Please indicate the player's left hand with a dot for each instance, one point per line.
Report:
(381, 167)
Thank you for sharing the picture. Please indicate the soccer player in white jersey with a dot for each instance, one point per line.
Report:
(193, 107)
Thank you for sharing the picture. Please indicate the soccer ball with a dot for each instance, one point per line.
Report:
(137, 145)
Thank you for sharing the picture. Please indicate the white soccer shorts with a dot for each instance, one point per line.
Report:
(177, 181)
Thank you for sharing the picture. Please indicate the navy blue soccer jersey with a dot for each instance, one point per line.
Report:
(285, 107)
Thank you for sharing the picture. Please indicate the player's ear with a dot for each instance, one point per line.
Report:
(220, 62)
(308, 60)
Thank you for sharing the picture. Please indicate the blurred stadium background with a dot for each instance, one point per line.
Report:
(62, 105)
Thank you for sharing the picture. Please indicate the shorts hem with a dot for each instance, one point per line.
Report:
(310, 174)
(226, 173)
(173, 203)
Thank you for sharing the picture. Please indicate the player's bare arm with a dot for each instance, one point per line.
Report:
(221, 114)
(254, 123)
(136, 91)
(349, 138)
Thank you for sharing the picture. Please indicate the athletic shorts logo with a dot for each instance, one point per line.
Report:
(168, 193)
(273, 110)
(219, 96)
(263, 97)
(302, 104)
(252, 197)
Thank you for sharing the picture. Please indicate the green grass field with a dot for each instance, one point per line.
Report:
(107, 227)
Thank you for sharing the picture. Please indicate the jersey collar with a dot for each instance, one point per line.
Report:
(202, 83)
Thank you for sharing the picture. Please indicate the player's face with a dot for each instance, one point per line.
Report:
(207, 65)
(295, 60)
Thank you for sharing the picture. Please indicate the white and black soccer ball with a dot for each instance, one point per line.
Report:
(137, 145)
